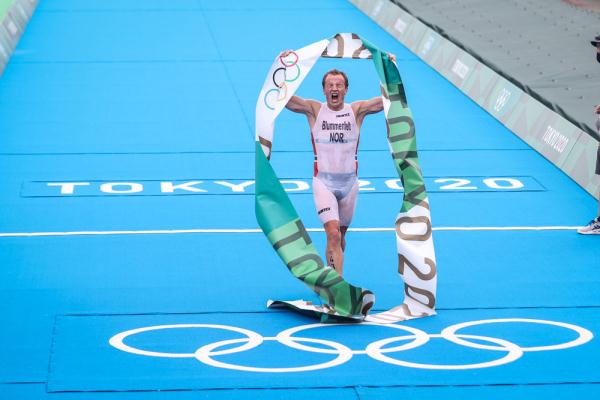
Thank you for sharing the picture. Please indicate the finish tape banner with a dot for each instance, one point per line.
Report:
(282, 226)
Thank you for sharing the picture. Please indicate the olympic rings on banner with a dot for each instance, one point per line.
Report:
(280, 78)
(279, 96)
(279, 85)
(294, 78)
(267, 95)
(282, 60)
(378, 350)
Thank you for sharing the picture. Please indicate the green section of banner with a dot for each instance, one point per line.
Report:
(4, 6)
(273, 207)
(401, 128)
(7, 42)
(14, 16)
(293, 244)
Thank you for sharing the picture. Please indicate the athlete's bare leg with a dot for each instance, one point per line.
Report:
(334, 252)
(343, 230)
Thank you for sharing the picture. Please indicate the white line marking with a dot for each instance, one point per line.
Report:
(183, 231)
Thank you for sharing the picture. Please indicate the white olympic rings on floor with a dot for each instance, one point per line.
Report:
(411, 338)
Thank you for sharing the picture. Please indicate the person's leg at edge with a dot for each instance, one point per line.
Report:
(598, 167)
(593, 227)
(334, 251)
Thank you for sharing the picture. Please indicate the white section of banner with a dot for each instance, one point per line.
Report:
(278, 89)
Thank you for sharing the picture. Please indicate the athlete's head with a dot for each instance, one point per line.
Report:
(335, 87)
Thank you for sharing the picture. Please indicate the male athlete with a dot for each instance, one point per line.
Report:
(335, 130)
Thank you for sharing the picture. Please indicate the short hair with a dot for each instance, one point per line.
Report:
(335, 72)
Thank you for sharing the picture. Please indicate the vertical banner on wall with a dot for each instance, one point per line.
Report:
(282, 226)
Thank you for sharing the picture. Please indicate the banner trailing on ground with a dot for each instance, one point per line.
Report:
(280, 222)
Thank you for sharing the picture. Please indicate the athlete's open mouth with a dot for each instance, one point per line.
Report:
(334, 96)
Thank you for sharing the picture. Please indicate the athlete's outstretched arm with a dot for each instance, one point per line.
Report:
(365, 107)
(299, 105)
(370, 106)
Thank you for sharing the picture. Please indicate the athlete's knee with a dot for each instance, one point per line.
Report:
(335, 239)
(334, 236)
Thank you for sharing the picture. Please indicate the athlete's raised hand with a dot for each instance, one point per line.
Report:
(285, 53)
